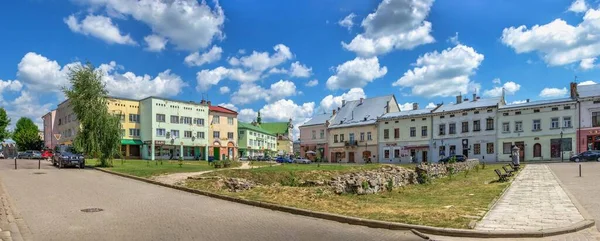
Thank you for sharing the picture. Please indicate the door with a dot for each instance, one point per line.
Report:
(216, 153)
(521, 146)
(424, 154)
(465, 152)
(351, 157)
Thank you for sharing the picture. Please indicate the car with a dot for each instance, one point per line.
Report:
(459, 158)
(302, 161)
(243, 158)
(47, 154)
(1, 155)
(65, 157)
(586, 156)
(29, 154)
(282, 159)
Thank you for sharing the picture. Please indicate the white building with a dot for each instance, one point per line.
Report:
(589, 116)
(467, 127)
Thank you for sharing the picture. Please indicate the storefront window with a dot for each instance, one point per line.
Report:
(596, 119)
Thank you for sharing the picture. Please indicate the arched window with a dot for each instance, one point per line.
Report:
(537, 150)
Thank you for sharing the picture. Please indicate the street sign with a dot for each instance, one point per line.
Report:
(57, 136)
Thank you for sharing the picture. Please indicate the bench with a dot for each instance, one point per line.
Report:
(501, 176)
(509, 172)
(513, 166)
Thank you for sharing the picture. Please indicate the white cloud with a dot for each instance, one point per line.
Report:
(187, 24)
(454, 39)
(207, 78)
(246, 115)
(100, 27)
(331, 102)
(248, 92)
(241, 51)
(299, 70)
(578, 6)
(431, 105)
(443, 74)
(278, 71)
(10, 85)
(406, 106)
(27, 105)
(356, 73)
(587, 63)
(260, 61)
(224, 90)
(347, 22)
(130, 85)
(553, 92)
(510, 88)
(155, 43)
(497, 81)
(312, 83)
(41, 74)
(589, 82)
(518, 102)
(557, 42)
(396, 24)
(284, 110)
(229, 106)
(197, 59)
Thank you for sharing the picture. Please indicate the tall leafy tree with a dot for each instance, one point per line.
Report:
(4, 122)
(100, 131)
(26, 135)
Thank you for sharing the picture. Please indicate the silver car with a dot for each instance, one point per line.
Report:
(301, 161)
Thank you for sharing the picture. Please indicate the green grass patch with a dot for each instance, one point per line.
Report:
(144, 168)
(441, 203)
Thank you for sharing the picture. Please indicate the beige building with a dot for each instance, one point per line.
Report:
(67, 125)
(353, 134)
(223, 133)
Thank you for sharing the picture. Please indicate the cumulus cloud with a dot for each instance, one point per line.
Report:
(155, 43)
(27, 105)
(197, 59)
(517, 102)
(454, 39)
(406, 106)
(299, 70)
(445, 73)
(396, 24)
(260, 61)
(207, 78)
(100, 27)
(331, 102)
(348, 21)
(510, 88)
(249, 93)
(41, 74)
(224, 90)
(588, 63)
(588, 82)
(229, 106)
(431, 105)
(284, 110)
(246, 115)
(356, 73)
(578, 6)
(553, 92)
(312, 83)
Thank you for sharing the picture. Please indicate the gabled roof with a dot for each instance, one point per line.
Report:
(318, 119)
(353, 113)
(275, 127)
(407, 113)
(245, 125)
(221, 109)
(536, 103)
(588, 90)
(465, 105)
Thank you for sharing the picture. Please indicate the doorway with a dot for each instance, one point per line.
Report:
(424, 154)
(465, 152)
(351, 157)
(216, 152)
(521, 146)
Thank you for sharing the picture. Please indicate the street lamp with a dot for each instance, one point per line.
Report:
(561, 147)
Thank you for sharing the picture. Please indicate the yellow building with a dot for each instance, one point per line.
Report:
(223, 133)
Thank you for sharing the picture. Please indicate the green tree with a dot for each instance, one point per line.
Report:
(4, 122)
(100, 132)
(26, 135)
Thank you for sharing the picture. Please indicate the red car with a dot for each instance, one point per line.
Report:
(47, 154)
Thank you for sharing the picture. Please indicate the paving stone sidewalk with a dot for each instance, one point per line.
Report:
(534, 201)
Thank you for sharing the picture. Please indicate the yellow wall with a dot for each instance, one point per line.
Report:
(67, 127)
(223, 128)
(286, 146)
(125, 107)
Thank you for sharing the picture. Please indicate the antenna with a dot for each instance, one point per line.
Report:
(575, 78)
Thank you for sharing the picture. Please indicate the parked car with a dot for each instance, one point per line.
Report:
(65, 157)
(282, 159)
(47, 154)
(243, 158)
(459, 158)
(1, 155)
(302, 161)
(29, 154)
(586, 156)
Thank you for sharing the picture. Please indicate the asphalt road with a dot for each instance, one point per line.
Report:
(50, 201)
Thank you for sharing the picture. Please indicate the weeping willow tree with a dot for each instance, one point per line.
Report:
(100, 133)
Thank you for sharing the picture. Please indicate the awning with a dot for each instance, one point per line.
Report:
(131, 142)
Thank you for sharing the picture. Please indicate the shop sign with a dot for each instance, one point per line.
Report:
(159, 142)
(594, 132)
(390, 144)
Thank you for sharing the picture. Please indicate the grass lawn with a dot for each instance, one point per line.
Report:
(442, 203)
(142, 168)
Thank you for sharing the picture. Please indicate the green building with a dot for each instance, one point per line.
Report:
(254, 141)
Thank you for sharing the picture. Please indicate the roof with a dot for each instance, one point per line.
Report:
(173, 100)
(276, 127)
(245, 125)
(480, 103)
(407, 113)
(221, 109)
(588, 90)
(354, 113)
(536, 103)
(318, 119)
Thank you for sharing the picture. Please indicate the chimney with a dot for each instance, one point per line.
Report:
(458, 99)
(361, 100)
(573, 88)
(415, 106)
(343, 103)
(208, 103)
(475, 97)
(527, 101)
(333, 111)
(203, 102)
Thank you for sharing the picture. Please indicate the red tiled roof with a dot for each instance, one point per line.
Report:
(221, 109)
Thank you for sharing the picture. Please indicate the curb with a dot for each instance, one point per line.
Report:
(18, 227)
(374, 223)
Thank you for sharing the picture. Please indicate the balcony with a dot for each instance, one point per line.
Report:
(351, 143)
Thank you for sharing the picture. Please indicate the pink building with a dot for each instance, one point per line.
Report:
(313, 138)
(50, 129)
(588, 133)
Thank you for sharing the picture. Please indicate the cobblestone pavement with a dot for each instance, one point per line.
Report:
(50, 203)
(590, 234)
(534, 201)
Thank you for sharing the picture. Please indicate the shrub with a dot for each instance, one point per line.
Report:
(422, 176)
(389, 185)
(452, 160)
(365, 185)
(291, 180)
(477, 168)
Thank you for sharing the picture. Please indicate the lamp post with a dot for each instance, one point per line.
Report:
(561, 147)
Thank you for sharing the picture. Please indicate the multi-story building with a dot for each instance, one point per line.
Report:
(173, 129)
(466, 128)
(313, 137)
(128, 111)
(353, 131)
(543, 130)
(50, 129)
(254, 141)
(222, 134)
(588, 132)
(67, 125)
(283, 132)
(405, 136)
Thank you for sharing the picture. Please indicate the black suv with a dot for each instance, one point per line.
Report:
(64, 156)
(459, 158)
(586, 156)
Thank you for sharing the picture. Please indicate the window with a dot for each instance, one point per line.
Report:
(442, 117)
(442, 129)
(442, 151)
(476, 112)
(199, 121)
(567, 144)
(452, 150)
(230, 135)
(335, 138)
(536, 110)
(134, 132)
(160, 118)
(505, 114)
(120, 116)
(369, 136)
(465, 126)
(230, 120)
(161, 132)
(506, 148)
(567, 122)
(386, 122)
(518, 126)
(216, 119)
(200, 134)
(489, 111)
(568, 107)
(175, 119)
(413, 131)
(421, 119)
(314, 134)
(451, 115)
(386, 154)
(490, 148)
(342, 137)
(537, 125)
(489, 124)
(174, 134)
(476, 125)
(322, 134)
(465, 113)
(477, 149)
(423, 130)
(396, 133)
(351, 136)
(537, 150)
(506, 127)
(216, 134)
(554, 123)
(595, 119)
(187, 134)
(396, 153)
(554, 108)
(187, 120)
(134, 118)
(386, 134)
(517, 113)
(452, 128)
(395, 121)
(362, 136)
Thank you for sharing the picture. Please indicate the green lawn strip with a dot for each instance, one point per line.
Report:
(442, 203)
(144, 168)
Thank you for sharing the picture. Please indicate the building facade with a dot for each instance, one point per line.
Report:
(223, 133)
(50, 129)
(466, 127)
(405, 136)
(353, 131)
(254, 141)
(314, 136)
(283, 132)
(588, 133)
(128, 111)
(67, 125)
(173, 129)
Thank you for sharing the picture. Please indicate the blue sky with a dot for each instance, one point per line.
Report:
(290, 59)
